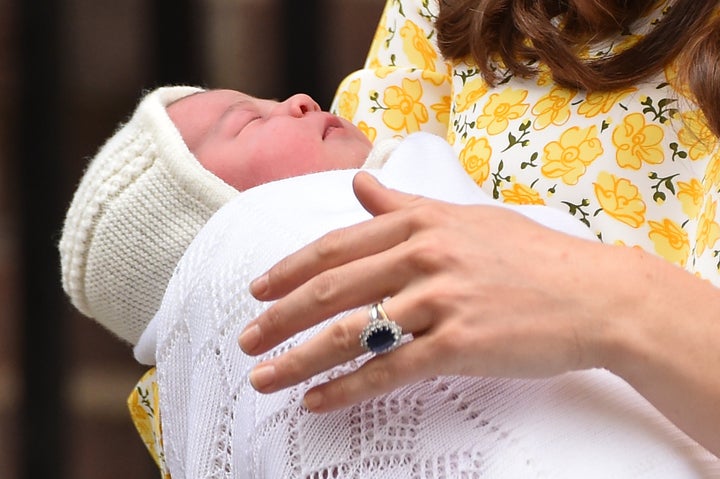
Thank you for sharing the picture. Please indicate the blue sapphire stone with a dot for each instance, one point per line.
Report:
(381, 340)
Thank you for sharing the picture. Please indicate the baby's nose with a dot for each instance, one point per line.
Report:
(300, 104)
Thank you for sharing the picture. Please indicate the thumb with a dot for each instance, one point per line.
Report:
(376, 198)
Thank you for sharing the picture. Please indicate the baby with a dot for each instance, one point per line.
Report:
(184, 153)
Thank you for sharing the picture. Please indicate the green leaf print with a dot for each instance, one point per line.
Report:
(519, 140)
(662, 112)
(578, 209)
(677, 152)
(659, 196)
(498, 179)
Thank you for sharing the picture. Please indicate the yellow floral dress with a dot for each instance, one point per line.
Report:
(144, 407)
(639, 166)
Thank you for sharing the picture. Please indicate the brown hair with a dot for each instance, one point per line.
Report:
(521, 33)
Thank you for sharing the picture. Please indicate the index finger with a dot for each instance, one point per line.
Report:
(340, 246)
(333, 249)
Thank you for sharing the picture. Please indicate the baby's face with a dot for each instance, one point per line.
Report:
(249, 141)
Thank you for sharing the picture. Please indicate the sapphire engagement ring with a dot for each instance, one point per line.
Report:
(381, 334)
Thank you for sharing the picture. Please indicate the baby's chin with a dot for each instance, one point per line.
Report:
(362, 156)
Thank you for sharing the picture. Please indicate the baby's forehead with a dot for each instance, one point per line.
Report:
(213, 99)
(212, 105)
(196, 114)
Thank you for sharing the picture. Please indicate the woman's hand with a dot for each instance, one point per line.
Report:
(484, 291)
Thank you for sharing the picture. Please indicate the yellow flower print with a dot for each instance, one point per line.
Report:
(670, 241)
(712, 173)
(553, 108)
(436, 78)
(544, 76)
(405, 111)
(142, 418)
(696, 136)
(569, 157)
(475, 158)
(521, 195)
(501, 108)
(636, 141)
(369, 131)
(602, 102)
(442, 110)
(348, 100)
(417, 47)
(708, 229)
(471, 92)
(691, 197)
(382, 71)
(620, 199)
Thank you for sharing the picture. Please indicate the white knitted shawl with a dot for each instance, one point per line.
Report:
(586, 424)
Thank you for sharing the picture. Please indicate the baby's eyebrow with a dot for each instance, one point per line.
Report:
(235, 106)
(240, 105)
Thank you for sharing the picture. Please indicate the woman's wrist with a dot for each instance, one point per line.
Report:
(621, 305)
(660, 333)
(653, 307)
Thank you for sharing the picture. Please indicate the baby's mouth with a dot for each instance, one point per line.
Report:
(331, 125)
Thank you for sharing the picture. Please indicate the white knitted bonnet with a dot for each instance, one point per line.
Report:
(140, 202)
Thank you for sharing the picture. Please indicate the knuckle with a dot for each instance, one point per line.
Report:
(426, 214)
(342, 338)
(449, 340)
(324, 288)
(329, 245)
(428, 253)
(446, 299)
(289, 366)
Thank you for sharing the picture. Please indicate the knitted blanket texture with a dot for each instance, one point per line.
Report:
(587, 424)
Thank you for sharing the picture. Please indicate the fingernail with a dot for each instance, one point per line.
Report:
(250, 338)
(259, 286)
(262, 376)
(313, 400)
